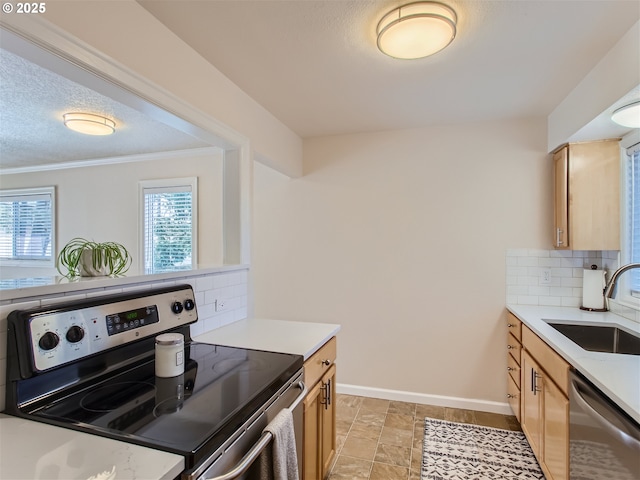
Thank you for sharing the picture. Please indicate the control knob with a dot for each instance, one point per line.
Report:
(75, 334)
(48, 341)
(189, 304)
(176, 307)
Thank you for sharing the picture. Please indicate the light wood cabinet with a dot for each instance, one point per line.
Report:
(587, 196)
(319, 446)
(514, 346)
(545, 405)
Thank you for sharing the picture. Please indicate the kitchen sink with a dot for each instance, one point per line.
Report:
(599, 338)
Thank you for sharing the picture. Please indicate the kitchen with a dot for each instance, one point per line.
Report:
(358, 241)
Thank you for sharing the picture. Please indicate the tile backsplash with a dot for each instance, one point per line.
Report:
(229, 287)
(551, 277)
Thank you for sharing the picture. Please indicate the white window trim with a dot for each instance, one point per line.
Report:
(35, 262)
(629, 144)
(191, 182)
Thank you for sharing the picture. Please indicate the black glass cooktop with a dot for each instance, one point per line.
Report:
(219, 390)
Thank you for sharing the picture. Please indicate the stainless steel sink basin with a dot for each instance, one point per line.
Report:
(597, 338)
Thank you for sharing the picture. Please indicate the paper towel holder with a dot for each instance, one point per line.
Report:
(590, 309)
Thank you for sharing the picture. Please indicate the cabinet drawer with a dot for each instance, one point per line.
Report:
(514, 325)
(320, 362)
(513, 368)
(513, 395)
(514, 348)
(553, 364)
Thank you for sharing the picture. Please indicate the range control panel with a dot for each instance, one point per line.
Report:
(61, 333)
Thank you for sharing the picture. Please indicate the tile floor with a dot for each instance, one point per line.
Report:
(382, 439)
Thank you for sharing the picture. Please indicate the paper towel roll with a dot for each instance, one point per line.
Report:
(592, 289)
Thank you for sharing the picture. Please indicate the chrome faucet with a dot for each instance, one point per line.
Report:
(610, 289)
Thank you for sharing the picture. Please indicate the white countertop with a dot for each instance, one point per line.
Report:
(617, 375)
(31, 450)
(284, 336)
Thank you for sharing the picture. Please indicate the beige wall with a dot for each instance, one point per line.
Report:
(401, 238)
(101, 202)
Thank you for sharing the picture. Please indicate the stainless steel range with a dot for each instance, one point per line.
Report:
(90, 366)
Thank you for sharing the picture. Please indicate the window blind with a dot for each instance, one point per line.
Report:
(26, 225)
(168, 227)
(633, 199)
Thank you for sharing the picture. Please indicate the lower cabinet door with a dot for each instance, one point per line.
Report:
(328, 414)
(311, 468)
(556, 432)
(531, 413)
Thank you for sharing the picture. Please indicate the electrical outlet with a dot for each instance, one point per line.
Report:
(545, 276)
(220, 305)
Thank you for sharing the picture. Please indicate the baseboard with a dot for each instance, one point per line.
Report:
(425, 399)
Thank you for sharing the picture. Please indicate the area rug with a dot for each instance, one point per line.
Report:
(460, 451)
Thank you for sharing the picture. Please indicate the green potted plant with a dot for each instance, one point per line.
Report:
(85, 258)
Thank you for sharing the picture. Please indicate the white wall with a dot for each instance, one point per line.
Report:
(101, 202)
(401, 238)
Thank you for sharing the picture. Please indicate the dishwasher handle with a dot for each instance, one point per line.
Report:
(589, 405)
(255, 451)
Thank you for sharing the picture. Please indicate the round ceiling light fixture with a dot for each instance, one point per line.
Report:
(628, 116)
(89, 123)
(416, 30)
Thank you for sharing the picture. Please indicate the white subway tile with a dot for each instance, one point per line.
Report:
(551, 301)
(204, 283)
(517, 290)
(562, 272)
(549, 262)
(539, 290)
(528, 261)
(572, 282)
(527, 300)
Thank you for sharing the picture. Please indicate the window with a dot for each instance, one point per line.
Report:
(168, 213)
(27, 224)
(629, 286)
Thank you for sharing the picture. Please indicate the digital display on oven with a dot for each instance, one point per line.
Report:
(125, 321)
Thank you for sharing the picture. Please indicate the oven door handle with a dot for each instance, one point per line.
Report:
(251, 456)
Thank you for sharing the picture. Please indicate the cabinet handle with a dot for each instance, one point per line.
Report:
(559, 233)
(326, 394)
(326, 362)
(511, 395)
(511, 369)
(534, 381)
(510, 347)
(510, 325)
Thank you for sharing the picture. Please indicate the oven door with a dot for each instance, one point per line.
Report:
(236, 459)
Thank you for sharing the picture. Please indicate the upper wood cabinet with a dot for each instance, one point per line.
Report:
(587, 196)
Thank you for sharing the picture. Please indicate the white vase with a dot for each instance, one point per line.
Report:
(86, 265)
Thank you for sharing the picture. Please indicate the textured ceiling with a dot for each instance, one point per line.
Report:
(314, 63)
(32, 101)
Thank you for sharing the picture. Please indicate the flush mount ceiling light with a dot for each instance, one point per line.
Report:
(628, 116)
(89, 124)
(416, 30)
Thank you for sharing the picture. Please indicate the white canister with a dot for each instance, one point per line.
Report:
(169, 355)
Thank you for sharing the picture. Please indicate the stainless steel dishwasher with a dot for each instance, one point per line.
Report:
(604, 442)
